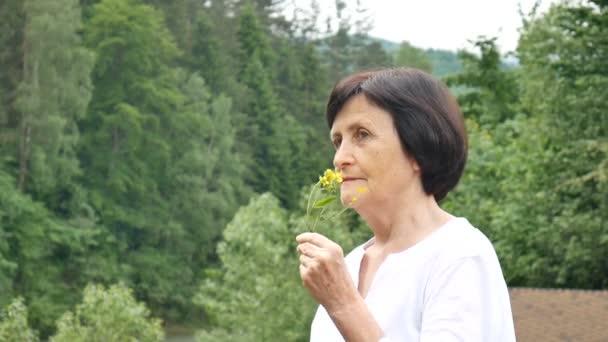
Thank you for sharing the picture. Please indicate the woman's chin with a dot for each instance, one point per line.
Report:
(349, 200)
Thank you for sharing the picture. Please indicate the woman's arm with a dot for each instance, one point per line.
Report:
(467, 300)
(326, 277)
(356, 323)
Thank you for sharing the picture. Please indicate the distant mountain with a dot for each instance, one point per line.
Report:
(390, 46)
(444, 62)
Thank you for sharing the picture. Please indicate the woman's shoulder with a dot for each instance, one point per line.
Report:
(463, 254)
(460, 239)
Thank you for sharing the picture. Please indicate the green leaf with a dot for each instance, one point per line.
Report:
(323, 202)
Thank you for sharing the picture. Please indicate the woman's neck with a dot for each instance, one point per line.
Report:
(401, 224)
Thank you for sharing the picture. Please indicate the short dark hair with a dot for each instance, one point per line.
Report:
(426, 115)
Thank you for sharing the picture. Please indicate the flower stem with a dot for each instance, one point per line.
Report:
(338, 213)
(317, 220)
(314, 187)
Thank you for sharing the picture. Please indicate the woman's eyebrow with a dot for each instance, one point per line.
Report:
(353, 126)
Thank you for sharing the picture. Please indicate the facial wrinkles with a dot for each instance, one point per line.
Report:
(352, 127)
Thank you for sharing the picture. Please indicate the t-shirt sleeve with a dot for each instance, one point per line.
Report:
(466, 300)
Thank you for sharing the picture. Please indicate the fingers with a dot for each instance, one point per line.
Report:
(307, 248)
(320, 244)
(315, 239)
(305, 260)
(309, 270)
(313, 257)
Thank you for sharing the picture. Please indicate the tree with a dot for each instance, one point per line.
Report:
(12, 21)
(208, 57)
(52, 93)
(245, 288)
(275, 140)
(371, 55)
(206, 177)
(14, 325)
(564, 77)
(48, 74)
(534, 181)
(38, 252)
(258, 274)
(413, 57)
(126, 151)
(108, 315)
(490, 93)
(443, 62)
(252, 38)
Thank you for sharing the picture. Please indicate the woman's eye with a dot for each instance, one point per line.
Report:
(362, 134)
(337, 142)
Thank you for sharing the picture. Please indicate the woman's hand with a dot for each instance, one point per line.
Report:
(324, 272)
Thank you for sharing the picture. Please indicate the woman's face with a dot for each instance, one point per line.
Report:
(374, 166)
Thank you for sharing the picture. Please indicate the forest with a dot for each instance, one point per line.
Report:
(155, 158)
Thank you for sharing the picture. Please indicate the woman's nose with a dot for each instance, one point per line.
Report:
(343, 156)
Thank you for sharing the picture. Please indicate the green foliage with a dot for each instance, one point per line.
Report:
(252, 38)
(124, 152)
(276, 138)
(490, 93)
(108, 315)
(565, 80)
(258, 274)
(129, 154)
(12, 18)
(221, 335)
(537, 183)
(38, 252)
(412, 57)
(207, 57)
(443, 62)
(128, 142)
(206, 179)
(370, 55)
(14, 325)
(53, 93)
(302, 93)
(10, 198)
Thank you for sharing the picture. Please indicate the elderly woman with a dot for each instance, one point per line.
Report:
(426, 275)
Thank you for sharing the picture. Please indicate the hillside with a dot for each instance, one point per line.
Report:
(443, 61)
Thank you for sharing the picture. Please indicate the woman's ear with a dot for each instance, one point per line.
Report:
(415, 165)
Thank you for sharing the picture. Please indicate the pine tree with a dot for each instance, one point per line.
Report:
(491, 92)
(48, 74)
(208, 56)
(52, 93)
(412, 57)
(125, 151)
(12, 22)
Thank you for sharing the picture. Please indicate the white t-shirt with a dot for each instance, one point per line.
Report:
(447, 287)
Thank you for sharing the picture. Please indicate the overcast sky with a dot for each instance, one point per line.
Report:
(443, 24)
(448, 24)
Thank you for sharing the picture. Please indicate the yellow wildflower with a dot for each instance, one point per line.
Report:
(324, 192)
(330, 175)
(324, 181)
(330, 179)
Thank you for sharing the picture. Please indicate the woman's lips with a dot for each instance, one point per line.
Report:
(349, 179)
